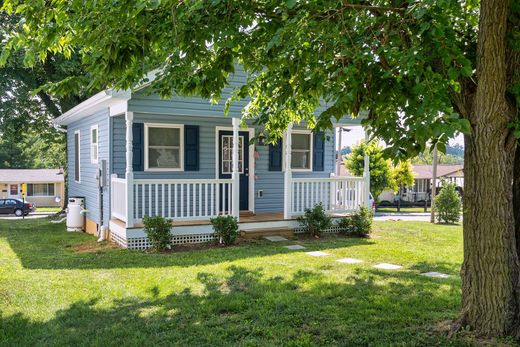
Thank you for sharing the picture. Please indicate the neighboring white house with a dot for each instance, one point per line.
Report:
(44, 186)
(423, 175)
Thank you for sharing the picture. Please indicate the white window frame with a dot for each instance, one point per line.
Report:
(311, 154)
(78, 169)
(42, 196)
(96, 159)
(181, 145)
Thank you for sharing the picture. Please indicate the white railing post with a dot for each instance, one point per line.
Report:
(129, 174)
(112, 198)
(366, 177)
(288, 174)
(235, 176)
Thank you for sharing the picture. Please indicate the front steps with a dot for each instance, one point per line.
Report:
(263, 232)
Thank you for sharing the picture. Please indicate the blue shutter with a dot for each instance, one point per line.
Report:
(191, 148)
(138, 147)
(318, 160)
(275, 156)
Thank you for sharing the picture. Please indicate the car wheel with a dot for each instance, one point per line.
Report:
(18, 213)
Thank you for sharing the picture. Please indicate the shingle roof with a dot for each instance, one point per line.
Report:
(31, 175)
(426, 171)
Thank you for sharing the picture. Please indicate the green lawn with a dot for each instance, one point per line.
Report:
(403, 209)
(59, 288)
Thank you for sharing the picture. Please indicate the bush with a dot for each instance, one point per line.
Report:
(448, 204)
(225, 229)
(315, 220)
(157, 230)
(359, 223)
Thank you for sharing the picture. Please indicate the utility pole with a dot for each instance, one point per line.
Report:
(434, 184)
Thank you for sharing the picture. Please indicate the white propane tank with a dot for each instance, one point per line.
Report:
(75, 217)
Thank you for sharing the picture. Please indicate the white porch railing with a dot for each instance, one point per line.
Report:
(118, 197)
(182, 199)
(336, 194)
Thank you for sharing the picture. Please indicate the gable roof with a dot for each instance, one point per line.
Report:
(426, 171)
(31, 175)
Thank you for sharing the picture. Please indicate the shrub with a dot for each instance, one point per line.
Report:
(448, 204)
(359, 223)
(157, 230)
(314, 220)
(225, 229)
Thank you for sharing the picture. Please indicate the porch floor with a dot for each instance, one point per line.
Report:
(246, 218)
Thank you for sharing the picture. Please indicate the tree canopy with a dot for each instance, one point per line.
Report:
(27, 108)
(400, 63)
(380, 168)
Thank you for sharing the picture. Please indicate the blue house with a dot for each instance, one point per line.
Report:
(182, 158)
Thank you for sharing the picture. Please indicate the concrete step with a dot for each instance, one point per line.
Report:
(261, 232)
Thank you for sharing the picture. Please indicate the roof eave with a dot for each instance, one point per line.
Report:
(95, 103)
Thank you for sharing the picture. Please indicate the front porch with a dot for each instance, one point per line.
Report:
(191, 201)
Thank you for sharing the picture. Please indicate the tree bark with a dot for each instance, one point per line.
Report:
(490, 270)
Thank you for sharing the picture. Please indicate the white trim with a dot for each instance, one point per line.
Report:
(311, 161)
(77, 169)
(251, 161)
(105, 99)
(181, 145)
(92, 160)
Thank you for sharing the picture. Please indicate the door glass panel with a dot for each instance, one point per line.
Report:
(13, 189)
(227, 154)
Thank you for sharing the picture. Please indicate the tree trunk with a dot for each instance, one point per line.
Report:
(491, 267)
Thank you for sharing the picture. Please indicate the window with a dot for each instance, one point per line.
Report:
(77, 158)
(13, 189)
(40, 189)
(164, 147)
(301, 154)
(94, 144)
(227, 154)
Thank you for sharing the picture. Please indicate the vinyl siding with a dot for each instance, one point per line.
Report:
(271, 183)
(88, 186)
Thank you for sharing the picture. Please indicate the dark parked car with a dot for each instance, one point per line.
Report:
(16, 207)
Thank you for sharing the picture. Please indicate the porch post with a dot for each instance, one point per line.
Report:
(235, 202)
(129, 174)
(287, 194)
(366, 176)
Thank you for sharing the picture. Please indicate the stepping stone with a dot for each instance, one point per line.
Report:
(317, 253)
(275, 238)
(435, 274)
(349, 261)
(386, 266)
(294, 247)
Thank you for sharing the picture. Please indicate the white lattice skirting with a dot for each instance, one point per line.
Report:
(141, 243)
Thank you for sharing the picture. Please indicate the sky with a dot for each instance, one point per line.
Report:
(356, 134)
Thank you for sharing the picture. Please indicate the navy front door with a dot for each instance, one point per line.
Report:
(225, 162)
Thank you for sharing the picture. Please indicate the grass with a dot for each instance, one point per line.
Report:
(48, 209)
(403, 209)
(61, 289)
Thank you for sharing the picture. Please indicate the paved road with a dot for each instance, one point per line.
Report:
(387, 216)
(34, 215)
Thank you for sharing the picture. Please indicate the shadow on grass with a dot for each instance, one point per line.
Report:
(39, 244)
(247, 308)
